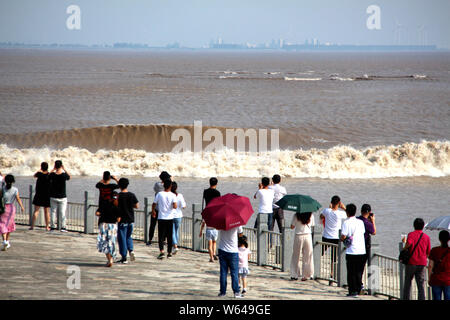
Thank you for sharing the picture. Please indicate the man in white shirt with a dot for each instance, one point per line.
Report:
(265, 196)
(166, 202)
(229, 259)
(355, 253)
(278, 214)
(332, 219)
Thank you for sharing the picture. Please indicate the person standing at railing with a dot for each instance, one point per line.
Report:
(355, 253)
(42, 195)
(265, 197)
(166, 202)
(211, 233)
(303, 223)
(177, 216)
(278, 214)
(439, 268)
(332, 218)
(368, 218)
(418, 260)
(58, 198)
(127, 203)
(158, 187)
(7, 224)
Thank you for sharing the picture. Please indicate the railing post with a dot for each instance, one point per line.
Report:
(30, 204)
(88, 216)
(341, 264)
(196, 224)
(373, 271)
(261, 228)
(317, 252)
(401, 272)
(147, 213)
(287, 244)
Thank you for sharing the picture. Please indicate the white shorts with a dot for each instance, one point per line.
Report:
(211, 234)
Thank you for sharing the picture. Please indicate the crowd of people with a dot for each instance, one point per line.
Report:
(116, 221)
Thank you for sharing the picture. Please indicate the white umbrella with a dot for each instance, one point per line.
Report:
(440, 223)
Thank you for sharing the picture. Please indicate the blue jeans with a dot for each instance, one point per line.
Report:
(124, 239)
(437, 292)
(231, 261)
(176, 230)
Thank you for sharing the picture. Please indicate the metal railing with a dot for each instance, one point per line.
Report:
(268, 248)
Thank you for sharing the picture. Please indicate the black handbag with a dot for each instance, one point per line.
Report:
(2, 203)
(405, 255)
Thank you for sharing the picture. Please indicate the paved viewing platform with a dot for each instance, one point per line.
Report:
(39, 265)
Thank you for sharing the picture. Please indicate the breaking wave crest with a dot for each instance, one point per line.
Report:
(428, 158)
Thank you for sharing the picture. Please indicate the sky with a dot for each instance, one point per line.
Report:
(194, 23)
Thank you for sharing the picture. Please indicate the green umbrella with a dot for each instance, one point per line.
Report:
(298, 203)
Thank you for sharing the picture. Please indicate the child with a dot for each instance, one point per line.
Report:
(244, 254)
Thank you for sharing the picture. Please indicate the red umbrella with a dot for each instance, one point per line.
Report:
(228, 211)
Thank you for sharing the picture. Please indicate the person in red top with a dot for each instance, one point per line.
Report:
(418, 261)
(439, 268)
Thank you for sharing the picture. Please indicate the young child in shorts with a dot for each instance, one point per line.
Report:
(244, 254)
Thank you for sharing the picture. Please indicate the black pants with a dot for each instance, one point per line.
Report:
(165, 230)
(355, 268)
(278, 216)
(151, 230)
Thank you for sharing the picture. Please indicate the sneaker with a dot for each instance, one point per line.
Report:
(221, 295)
(4, 245)
(238, 295)
(161, 256)
(244, 291)
(215, 257)
(123, 261)
(294, 279)
(169, 255)
(175, 250)
(8, 245)
(353, 295)
(132, 257)
(63, 230)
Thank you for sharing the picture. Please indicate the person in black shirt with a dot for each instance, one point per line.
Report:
(42, 195)
(127, 203)
(109, 215)
(106, 189)
(58, 198)
(211, 233)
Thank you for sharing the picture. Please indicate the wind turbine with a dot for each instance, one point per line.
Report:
(422, 34)
(398, 28)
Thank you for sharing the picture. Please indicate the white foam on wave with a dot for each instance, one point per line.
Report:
(428, 158)
(301, 79)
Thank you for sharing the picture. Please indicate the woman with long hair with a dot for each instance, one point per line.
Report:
(302, 222)
(7, 224)
(181, 204)
(42, 195)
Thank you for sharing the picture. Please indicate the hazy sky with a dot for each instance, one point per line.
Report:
(195, 22)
